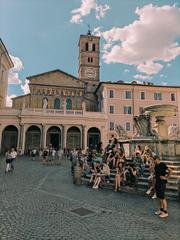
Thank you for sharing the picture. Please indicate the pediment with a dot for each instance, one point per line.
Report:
(56, 78)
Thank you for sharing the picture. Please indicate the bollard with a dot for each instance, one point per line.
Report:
(77, 175)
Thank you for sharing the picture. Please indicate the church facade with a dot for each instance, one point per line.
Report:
(65, 111)
(61, 110)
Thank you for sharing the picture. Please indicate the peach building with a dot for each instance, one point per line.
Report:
(122, 101)
(65, 111)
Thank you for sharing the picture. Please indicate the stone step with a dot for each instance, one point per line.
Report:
(176, 163)
(141, 189)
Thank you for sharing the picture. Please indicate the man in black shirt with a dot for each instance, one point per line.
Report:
(162, 173)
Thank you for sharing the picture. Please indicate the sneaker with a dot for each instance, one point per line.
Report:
(95, 187)
(163, 215)
(154, 196)
(159, 212)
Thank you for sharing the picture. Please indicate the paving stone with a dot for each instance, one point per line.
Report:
(36, 203)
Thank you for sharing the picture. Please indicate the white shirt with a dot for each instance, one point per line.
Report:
(13, 154)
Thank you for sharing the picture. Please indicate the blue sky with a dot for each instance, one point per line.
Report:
(140, 39)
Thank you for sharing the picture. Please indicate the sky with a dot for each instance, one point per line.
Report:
(140, 39)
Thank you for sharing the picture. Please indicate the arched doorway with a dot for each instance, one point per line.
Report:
(94, 137)
(54, 137)
(33, 136)
(9, 138)
(73, 138)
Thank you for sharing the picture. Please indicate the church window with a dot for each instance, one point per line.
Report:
(94, 47)
(68, 104)
(91, 59)
(57, 103)
(87, 48)
(88, 59)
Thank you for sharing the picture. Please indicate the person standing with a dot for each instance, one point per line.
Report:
(8, 161)
(33, 154)
(13, 154)
(60, 156)
(162, 174)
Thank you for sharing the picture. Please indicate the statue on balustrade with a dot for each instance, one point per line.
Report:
(142, 124)
(45, 103)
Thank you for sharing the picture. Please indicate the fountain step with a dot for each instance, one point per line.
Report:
(171, 193)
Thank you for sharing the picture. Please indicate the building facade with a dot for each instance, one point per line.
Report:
(122, 101)
(5, 64)
(65, 111)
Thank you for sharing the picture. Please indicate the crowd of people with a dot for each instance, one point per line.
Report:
(99, 164)
(49, 155)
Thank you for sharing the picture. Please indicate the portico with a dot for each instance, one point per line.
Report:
(52, 130)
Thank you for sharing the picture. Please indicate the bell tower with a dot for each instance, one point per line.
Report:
(89, 58)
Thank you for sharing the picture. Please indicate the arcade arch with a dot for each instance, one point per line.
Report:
(54, 137)
(93, 137)
(9, 138)
(73, 139)
(33, 137)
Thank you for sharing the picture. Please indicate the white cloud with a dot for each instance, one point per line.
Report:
(169, 65)
(164, 83)
(142, 77)
(126, 70)
(9, 101)
(147, 41)
(85, 9)
(25, 87)
(97, 31)
(13, 77)
(163, 76)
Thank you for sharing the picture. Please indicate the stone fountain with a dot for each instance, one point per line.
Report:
(162, 138)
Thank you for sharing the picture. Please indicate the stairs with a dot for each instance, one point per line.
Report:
(142, 187)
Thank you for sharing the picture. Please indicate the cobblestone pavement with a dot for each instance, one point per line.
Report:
(36, 202)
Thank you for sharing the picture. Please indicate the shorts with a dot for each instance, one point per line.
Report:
(8, 160)
(160, 190)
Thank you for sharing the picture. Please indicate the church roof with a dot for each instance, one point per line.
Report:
(52, 71)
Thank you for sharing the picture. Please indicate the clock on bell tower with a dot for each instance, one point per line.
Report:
(89, 58)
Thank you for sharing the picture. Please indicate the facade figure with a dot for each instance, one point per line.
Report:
(45, 103)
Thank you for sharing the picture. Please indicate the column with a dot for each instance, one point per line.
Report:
(102, 136)
(64, 136)
(43, 136)
(22, 140)
(84, 137)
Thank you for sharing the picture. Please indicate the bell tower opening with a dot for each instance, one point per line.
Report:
(89, 58)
